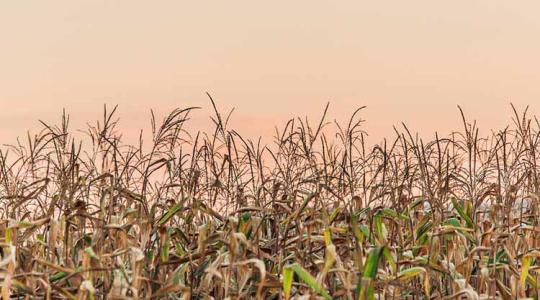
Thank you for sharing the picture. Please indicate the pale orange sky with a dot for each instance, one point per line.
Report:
(411, 61)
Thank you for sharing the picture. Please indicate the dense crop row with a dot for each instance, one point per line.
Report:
(314, 214)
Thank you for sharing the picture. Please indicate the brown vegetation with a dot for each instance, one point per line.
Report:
(216, 215)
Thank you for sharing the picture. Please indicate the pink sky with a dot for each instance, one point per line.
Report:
(411, 61)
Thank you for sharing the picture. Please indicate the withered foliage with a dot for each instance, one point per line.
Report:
(316, 215)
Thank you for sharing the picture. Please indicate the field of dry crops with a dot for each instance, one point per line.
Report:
(189, 215)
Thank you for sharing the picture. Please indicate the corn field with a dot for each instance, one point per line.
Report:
(315, 214)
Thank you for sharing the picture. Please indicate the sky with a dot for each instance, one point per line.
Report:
(407, 61)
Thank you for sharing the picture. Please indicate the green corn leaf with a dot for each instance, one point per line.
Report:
(288, 275)
(91, 253)
(410, 273)
(57, 276)
(170, 213)
(390, 259)
(461, 212)
(365, 289)
(308, 279)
